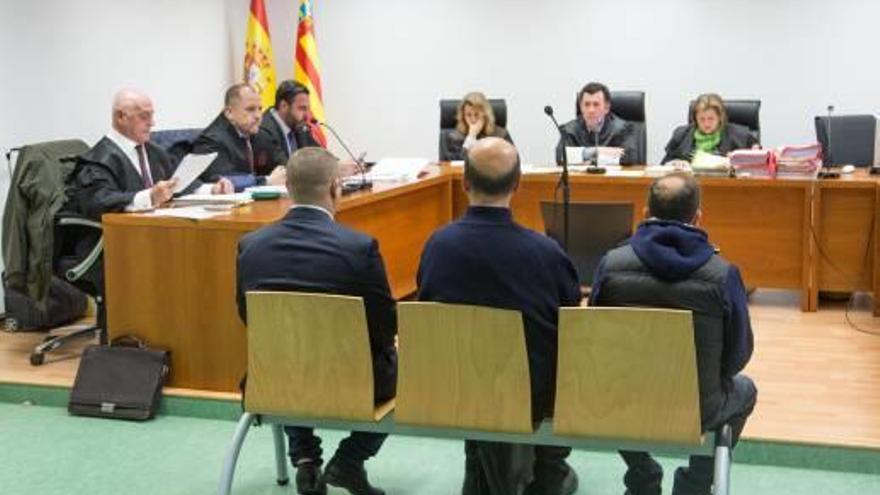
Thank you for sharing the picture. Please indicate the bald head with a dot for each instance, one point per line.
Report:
(674, 197)
(311, 177)
(133, 114)
(491, 170)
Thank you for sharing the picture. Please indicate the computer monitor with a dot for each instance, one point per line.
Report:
(594, 229)
(853, 140)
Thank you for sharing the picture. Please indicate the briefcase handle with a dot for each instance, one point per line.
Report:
(128, 341)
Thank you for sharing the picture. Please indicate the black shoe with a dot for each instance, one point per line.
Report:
(308, 479)
(565, 486)
(351, 477)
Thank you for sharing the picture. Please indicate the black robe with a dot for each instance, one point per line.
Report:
(222, 137)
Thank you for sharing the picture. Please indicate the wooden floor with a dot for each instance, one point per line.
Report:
(818, 378)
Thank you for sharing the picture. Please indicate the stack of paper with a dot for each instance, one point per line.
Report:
(753, 163)
(798, 161)
(708, 164)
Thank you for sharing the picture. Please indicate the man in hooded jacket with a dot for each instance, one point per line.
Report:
(669, 263)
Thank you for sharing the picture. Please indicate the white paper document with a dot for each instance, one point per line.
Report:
(190, 212)
(190, 168)
(214, 199)
(397, 169)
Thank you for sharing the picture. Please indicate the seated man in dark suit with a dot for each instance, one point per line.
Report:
(486, 259)
(124, 171)
(285, 127)
(596, 125)
(308, 251)
(233, 136)
(669, 263)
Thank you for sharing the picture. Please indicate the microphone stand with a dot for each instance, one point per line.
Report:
(563, 180)
(359, 162)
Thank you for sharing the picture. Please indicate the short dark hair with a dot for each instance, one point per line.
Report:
(492, 186)
(591, 89)
(288, 90)
(233, 94)
(670, 201)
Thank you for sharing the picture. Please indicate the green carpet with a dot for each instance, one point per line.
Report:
(44, 451)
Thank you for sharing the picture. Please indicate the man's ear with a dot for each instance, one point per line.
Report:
(646, 213)
(698, 218)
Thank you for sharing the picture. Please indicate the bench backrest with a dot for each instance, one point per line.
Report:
(627, 373)
(308, 355)
(462, 367)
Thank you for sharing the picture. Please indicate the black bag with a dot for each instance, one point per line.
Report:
(123, 380)
(65, 304)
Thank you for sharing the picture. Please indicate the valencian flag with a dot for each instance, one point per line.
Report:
(307, 67)
(259, 64)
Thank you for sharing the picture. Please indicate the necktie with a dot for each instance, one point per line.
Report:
(250, 153)
(291, 143)
(142, 162)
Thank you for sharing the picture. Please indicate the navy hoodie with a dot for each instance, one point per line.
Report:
(672, 251)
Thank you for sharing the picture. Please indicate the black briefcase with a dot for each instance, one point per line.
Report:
(123, 380)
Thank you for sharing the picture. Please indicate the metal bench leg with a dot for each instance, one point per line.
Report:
(280, 457)
(244, 424)
(723, 441)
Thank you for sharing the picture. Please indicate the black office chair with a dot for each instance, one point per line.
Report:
(743, 112)
(853, 139)
(629, 106)
(177, 142)
(448, 109)
(41, 173)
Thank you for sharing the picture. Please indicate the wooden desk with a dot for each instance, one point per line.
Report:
(845, 227)
(172, 281)
(761, 225)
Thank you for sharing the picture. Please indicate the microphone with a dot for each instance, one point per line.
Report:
(828, 133)
(359, 161)
(563, 180)
(560, 160)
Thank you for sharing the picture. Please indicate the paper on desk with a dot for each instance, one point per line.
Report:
(191, 212)
(190, 168)
(528, 168)
(214, 199)
(397, 169)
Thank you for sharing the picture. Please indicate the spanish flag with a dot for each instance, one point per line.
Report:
(307, 67)
(259, 63)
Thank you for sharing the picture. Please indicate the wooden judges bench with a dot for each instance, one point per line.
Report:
(172, 281)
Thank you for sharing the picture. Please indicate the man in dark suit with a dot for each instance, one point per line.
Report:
(308, 251)
(486, 259)
(233, 136)
(596, 125)
(285, 127)
(124, 171)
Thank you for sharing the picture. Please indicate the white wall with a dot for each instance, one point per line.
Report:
(386, 63)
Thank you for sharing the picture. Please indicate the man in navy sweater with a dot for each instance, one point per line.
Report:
(486, 259)
(669, 263)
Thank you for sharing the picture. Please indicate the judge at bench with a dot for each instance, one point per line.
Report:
(233, 136)
(124, 171)
(308, 251)
(597, 126)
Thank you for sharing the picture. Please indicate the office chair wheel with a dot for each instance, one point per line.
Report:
(37, 358)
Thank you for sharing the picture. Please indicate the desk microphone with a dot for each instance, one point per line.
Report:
(563, 180)
(358, 161)
(828, 134)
